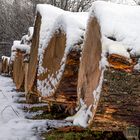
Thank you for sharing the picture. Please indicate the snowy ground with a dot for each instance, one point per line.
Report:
(13, 124)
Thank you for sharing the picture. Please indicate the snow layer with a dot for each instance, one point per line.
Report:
(5, 57)
(21, 47)
(120, 22)
(26, 39)
(127, 2)
(13, 125)
(81, 118)
(53, 19)
(23, 44)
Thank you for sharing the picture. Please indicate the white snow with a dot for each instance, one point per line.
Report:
(97, 92)
(13, 125)
(23, 45)
(127, 2)
(6, 58)
(120, 22)
(53, 18)
(81, 118)
(26, 39)
(84, 115)
(13, 49)
(114, 47)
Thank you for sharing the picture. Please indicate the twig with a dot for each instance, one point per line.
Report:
(3, 94)
(17, 114)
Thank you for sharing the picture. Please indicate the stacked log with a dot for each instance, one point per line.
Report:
(5, 65)
(53, 65)
(18, 70)
(19, 61)
(111, 93)
(57, 73)
(64, 93)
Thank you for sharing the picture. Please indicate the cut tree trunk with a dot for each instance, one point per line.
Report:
(119, 104)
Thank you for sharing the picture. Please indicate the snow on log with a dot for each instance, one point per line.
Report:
(19, 61)
(5, 65)
(109, 74)
(43, 20)
(53, 76)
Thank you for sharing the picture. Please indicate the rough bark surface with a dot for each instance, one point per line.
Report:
(66, 91)
(68, 84)
(119, 105)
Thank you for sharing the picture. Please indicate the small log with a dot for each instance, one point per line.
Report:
(32, 98)
(5, 65)
(18, 71)
(120, 62)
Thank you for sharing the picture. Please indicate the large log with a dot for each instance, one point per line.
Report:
(55, 53)
(59, 66)
(64, 92)
(117, 106)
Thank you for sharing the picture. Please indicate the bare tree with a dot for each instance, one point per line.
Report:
(15, 19)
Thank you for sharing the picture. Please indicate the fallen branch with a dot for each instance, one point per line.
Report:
(17, 114)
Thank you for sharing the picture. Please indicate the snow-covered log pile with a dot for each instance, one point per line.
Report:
(19, 60)
(109, 75)
(55, 55)
(105, 80)
(5, 65)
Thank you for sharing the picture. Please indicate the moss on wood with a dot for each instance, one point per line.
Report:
(76, 133)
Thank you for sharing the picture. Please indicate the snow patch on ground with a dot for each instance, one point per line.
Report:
(13, 125)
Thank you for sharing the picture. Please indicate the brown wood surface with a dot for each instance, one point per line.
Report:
(18, 70)
(89, 73)
(32, 68)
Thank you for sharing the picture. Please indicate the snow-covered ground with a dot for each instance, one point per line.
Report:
(13, 124)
